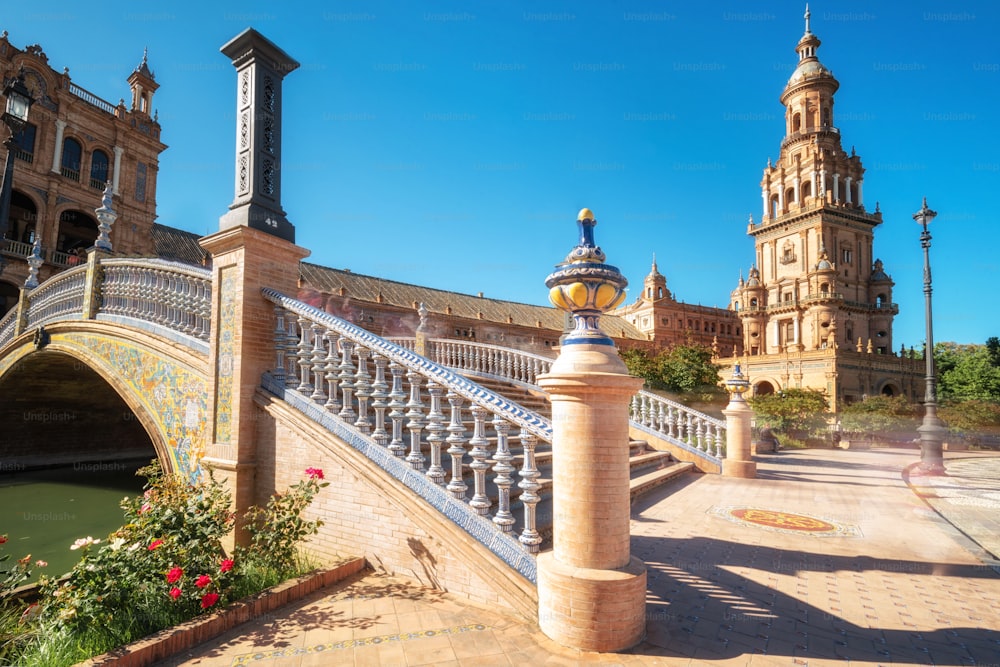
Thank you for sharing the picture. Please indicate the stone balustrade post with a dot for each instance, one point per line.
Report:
(738, 461)
(254, 248)
(591, 590)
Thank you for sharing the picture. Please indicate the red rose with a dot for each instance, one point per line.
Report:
(3, 539)
(174, 575)
(155, 545)
(175, 592)
(226, 565)
(209, 599)
(202, 581)
(314, 473)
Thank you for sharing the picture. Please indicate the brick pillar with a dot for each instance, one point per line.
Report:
(591, 591)
(738, 461)
(254, 248)
(242, 346)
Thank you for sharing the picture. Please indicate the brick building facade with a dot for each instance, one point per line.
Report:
(74, 143)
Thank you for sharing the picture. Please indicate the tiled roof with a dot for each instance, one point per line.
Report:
(404, 295)
(172, 243)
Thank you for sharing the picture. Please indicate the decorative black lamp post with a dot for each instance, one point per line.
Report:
(931, 431)
(15, 116)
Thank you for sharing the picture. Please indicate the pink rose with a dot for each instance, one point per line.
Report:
(314, 473)
(155, 545)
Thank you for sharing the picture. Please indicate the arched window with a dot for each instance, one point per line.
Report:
(796, 122)
(72, 155)
(806, 190)
(827, 117)
(753, 303)
(774, 206)
(789, 196)
(98, 169)
(880, 300)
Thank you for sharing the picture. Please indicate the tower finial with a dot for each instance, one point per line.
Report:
(145, 55)
(654, 263)
(807, 18)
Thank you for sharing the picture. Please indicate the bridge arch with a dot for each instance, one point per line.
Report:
(156, 380)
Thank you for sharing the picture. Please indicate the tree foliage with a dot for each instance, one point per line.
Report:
(968, 372)
(800, 409)
(681, 368)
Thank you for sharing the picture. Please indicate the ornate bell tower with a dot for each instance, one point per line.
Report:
(814, 270)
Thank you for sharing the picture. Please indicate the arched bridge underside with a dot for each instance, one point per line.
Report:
(99, 390)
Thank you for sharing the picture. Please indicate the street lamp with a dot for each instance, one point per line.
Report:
(931, 431)
(15, 117)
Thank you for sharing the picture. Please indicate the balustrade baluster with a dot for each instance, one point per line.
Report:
(379, 403)
(305, 349)
(279, 345)
(504, 519)
(415, 421)
(291, 352)
(643, 416)
(332, 371)
(363, 390)
(435, 433)
(396, 414)
(480, 501)
(690, 429)
(318, 357)
(661, 419)
(672, 422)
(347, 381)
(700, 433)
(456, 447)
(529, 537)
(718, 441)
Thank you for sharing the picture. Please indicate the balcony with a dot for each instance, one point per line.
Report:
(23, 155)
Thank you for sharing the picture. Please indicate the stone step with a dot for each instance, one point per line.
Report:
(652, 480)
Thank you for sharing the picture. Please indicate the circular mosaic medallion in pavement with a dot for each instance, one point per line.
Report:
(785, 522)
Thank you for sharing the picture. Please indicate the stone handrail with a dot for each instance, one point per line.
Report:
(692, 430)
(176, 296)
(696, 432)
(493, 360)
(59, 298)
(325, 360)
(92, 99)
(171, 295)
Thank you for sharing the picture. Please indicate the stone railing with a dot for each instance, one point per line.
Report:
(16, 248)
(674, 422)
(491, 360)
(60, 298)
(172, 296)
(692, 430)
(371, 391)
(175, 296)
(92, 99)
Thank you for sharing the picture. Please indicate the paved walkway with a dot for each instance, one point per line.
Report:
(829, 557)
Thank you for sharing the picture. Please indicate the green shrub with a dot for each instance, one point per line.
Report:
(165, 565)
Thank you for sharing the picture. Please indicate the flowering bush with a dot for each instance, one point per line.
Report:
(164, 566)
(276, 530)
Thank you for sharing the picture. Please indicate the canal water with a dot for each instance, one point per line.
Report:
(43, 512)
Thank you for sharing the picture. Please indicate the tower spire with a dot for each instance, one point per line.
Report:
(808, 31)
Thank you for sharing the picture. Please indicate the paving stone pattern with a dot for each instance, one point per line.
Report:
(905, 588)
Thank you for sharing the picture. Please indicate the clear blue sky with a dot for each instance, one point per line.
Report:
(452, 144)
